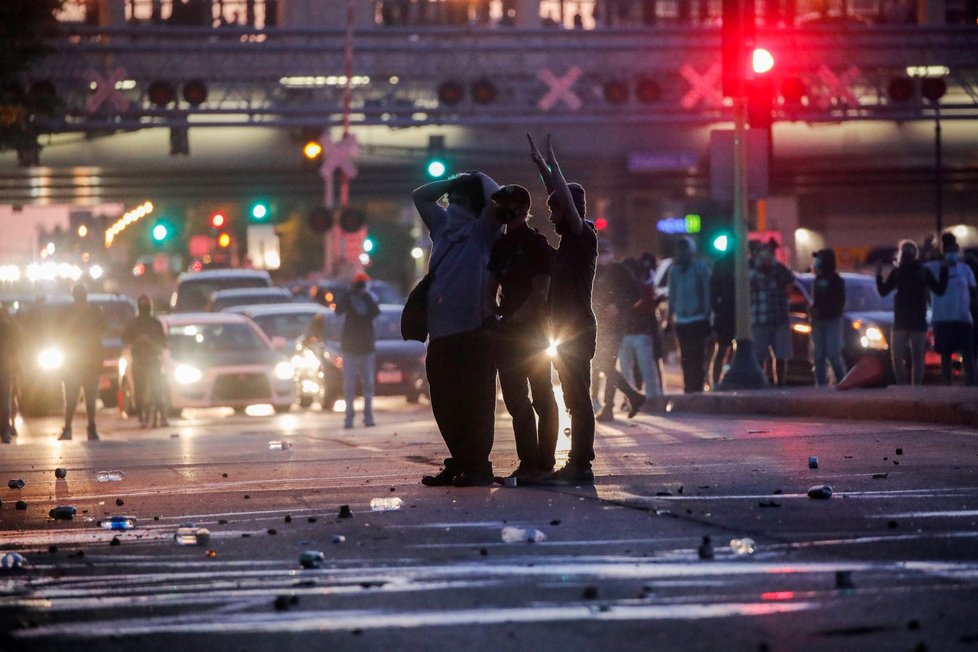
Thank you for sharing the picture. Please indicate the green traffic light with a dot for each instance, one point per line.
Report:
(160, 232)
(721, 243)
(259, 211)
(436, 168)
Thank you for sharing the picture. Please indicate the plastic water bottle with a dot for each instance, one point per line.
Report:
(743, 546)
(189, 534)
(62, 513)
(109, 476)
(312, 559)
(12, 561)
(279, 445)
(118, 523)
(386, 504)
(520, 535)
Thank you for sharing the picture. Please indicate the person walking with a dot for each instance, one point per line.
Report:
(572, 318)
(11, 348)
(951, 311)
(461, 309)
(770, 320)
(828, 303)
(637, 352)
(144, 336)
(722, 302)
(84, 326)
(616, 290)
(358, 343)
(689, 312)
(520, 263)
(911, 280)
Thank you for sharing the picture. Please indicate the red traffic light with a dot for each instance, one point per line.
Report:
(762, 61)
(218, 220)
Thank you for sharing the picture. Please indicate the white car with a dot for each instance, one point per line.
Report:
(218, 360)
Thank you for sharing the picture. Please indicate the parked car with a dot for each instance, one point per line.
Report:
(217, 360)
(194, 289)
(222, 299)
(42, 323)
(400, 364)
(328, 292)
(283, 323)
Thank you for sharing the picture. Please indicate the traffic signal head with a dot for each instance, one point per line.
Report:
(260, 211)
(436, 168)
(218, 220)
(224, 241)
(720, 243)
(737, 42)
(160, 232)
(762, 61)
(312, 150)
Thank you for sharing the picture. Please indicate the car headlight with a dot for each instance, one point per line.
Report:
(50, 359)
(870, 336)
(306, 360)
(186, 374)
(284, 371)
(552, 348)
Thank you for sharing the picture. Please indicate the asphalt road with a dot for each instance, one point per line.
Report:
(889, 562)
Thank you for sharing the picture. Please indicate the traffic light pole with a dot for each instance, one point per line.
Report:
(744, 372)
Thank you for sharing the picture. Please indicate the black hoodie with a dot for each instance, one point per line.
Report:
(911, 280)
(828, 290)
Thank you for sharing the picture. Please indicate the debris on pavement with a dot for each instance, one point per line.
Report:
(590, 593)
(705, 551)
(843, 580)
(61, 473)
(288, 518)
(820, 491)
(283, 602)
(345, 512)
(20, 505)
(338, 538)
(386, 504)
(189, 534)
(312, 559)
(812, 462)
(742, 547)
(899, 451)
(119, 502)
(12, 561)
(63, 513)
(110, 476)
(15, 484)
(512, 534)
(880, 476)
(768, 503)
(118, 523)
(279, 445)
(115, 541)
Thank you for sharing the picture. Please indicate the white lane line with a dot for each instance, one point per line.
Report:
(319, 621)
(961, 513)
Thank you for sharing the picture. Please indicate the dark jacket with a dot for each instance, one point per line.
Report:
(360, 308)
(828, 289)
(911, 281)
(11, 343)
(144, 335)
(84, 326)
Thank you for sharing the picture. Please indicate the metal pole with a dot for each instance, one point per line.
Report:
(347, 97)
(938, 171)
(744, 372)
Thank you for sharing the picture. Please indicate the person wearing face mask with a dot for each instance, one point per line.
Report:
(689, 312)
(828, 302)
(461, 310)
(911, 280)
(770, 285)
(520, 263)
(951, 311)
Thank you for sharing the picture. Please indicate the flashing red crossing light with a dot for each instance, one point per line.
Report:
(600, 224)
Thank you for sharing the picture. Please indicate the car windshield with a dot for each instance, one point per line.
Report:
(861, 295)
(189, 339)
(387, 326)
(222, 302)
(290, 325)
(195, 294)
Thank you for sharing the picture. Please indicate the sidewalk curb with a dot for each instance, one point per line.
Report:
(949, 406)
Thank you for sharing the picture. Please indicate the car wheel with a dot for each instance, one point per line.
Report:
(305, 401)
(413, 396)
(240, 409)
(282, 409)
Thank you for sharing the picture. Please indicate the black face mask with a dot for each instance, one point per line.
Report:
(506, 215)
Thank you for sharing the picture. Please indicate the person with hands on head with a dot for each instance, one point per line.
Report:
(461, 310)
(572, 317)
(520, 263)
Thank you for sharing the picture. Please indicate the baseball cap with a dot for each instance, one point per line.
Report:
(360, 277)
(512, 195)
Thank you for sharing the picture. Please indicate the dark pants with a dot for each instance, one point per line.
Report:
(6, 427)
(75, 383)
(606, 363)
(462, 385)
(692, 353)
(147, 379)
(524, 368)
(574, 370)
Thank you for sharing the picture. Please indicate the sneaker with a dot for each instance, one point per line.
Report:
(348, 424)
(635, 404)
(570, 475)
(93, 434)
(369, 423)
(605, 415)
(65, 435)
(6, 438)
(442, 479)
(526, 474)
(472, 479)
